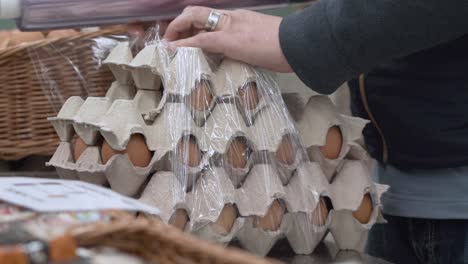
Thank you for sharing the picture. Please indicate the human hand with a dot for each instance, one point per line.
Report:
(242, 35)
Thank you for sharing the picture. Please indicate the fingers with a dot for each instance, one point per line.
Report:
(214, 42)
(193, 18)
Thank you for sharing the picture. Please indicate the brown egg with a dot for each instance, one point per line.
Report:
(62, 33)
(5, 37)
(107, 152)
(286, 153)
(249, 95)
(18, 37)
(226, 219)
(273, 218)
(364, 212)
(201, 97)
(334, 143)
(179, 219)
(237, 154)
(137, 151)
(189, 152)
(320, 215)
(79, 146)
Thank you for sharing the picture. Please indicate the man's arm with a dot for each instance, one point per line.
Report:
(332, 41)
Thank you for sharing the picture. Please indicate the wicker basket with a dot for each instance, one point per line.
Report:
(158, 243)
(36, 78)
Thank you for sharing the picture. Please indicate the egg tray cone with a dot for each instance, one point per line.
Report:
(136, 104)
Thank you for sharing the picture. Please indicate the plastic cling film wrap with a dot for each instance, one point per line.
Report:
(73, 67)
(215, 145)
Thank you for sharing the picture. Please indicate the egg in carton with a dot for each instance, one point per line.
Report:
(215, 210)
(356, 205)
(351, 228)
(251, 178)
(239, 82)
(179, 110)
(79, 157)
(93, 118)
(211, 231)
(117, 117)
(347, 170)
(349, 186)
(135, 150)
(303, 230)
(190, 78)
(331, 139)
(274, 158)
(200, 217)
(103, 160)
(225, 131)
(328, 136)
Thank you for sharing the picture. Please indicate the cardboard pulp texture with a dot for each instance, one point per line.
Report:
(261, 117)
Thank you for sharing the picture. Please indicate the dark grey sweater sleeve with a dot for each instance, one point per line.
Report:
(333, 41)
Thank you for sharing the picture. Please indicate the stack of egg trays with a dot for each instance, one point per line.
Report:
(136, 104)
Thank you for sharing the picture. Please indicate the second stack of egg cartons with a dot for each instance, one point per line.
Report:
(222, 153)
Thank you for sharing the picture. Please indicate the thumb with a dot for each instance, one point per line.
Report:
(214, 42)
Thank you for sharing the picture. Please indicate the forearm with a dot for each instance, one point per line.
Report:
(334, 40)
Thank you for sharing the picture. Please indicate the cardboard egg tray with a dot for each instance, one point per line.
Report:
(262, 187)
(152, 97)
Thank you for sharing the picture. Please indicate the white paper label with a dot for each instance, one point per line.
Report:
(49, 195)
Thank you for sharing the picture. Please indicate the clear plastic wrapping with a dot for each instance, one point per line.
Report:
(214, 144)
(73, 67)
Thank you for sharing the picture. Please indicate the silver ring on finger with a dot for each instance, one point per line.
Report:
(213, 20)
